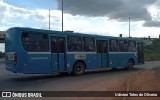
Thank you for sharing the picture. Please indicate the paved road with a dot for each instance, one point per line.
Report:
(89, 81)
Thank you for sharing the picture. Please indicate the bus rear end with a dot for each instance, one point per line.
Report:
(27, 51)
(10, 50)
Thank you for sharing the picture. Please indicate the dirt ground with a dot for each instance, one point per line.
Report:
(146, 80)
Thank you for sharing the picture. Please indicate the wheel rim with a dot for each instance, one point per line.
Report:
(78, 69)
(130, 64)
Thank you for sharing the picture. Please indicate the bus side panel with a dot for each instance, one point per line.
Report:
(22, 62)
(61, 62)
(70, 62)
(113, 58)
(99, 63)
(91, 61)
(38, 63)
(120, 60)
(104, 60)
(54, 62)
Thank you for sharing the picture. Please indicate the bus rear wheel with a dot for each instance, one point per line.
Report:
(78, 69)
(130, 65)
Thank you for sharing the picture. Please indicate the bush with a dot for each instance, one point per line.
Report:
(152, 52)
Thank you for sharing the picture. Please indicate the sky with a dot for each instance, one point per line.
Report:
(102, 17)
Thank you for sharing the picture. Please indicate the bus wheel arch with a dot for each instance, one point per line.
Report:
(130, 64)
(79, 67)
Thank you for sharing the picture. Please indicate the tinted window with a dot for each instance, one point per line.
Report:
(132, 46)
(61, 45)
(102, 46)
(99, 47)
(123, 45)
(89, 44)
(113, 45)
(35, 42)
(58, 45)
(74, 43)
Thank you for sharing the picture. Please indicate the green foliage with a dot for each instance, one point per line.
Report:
(152, 52)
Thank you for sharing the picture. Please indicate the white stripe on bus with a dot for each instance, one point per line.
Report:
(81, 52)
(38, 52)
(122, 52)
(75, 53)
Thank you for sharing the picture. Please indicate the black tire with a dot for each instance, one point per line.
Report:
(130, 65)
(78, 69)
(114, 68)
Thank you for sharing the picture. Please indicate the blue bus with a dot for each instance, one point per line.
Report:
(36, 51)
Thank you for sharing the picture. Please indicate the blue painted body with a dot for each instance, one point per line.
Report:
(54, 63)
(57, 65)
(34, 65)
(121, 59)
(102, 60)
(47, 62)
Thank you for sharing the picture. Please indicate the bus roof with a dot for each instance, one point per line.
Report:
(71, 33)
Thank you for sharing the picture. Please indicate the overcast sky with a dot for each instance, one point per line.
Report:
(103, 17)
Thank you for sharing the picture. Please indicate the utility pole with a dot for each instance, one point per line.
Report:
(49, 19)
(62, 15)
(129, 27)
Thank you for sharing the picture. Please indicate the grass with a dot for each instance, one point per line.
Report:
(152, 52)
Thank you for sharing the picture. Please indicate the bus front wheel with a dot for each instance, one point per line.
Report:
(130, 65)
(78, 69)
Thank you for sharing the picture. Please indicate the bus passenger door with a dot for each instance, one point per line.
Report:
(102, 53)
(140, 52)
(58, 51)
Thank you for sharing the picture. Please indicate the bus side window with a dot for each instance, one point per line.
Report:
(61, 46)
(89, 44)
(25, 36)
(35, 42)
(123, 45)
(104, 47)
(132, 46)
(99, 47)
(113, 45)
(74, 43)
(54, 43)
